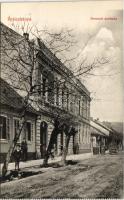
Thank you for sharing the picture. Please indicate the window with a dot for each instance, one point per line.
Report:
(28, 131)
(67, 100)
(73, 103)
(45, 88)
(76, 105)
(79, 133)
(71, 106)
(3, 129)
(83, 106)
(39, 83)
(88, 109)
(50, 91)
(79, 104)
(83, 133)
(57, 96)
(62, 97)
(16, 127)
(86, 135)
(8, 128)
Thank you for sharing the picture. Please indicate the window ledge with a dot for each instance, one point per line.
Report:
(4, 141)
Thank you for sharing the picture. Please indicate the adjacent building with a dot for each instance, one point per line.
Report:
(11, 105)
(99, 137)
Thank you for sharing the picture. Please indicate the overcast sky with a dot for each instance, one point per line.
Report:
(105, 40)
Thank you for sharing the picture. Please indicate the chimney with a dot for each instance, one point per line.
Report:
(26, 35)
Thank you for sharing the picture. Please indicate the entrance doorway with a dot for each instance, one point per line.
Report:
(43, 138)
(75, 144)
(61, 142)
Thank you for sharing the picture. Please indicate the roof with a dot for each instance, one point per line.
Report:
(9, 97)
(102, 125)
(97, 129)
(41, 47)
(117, 126)
(51, 56)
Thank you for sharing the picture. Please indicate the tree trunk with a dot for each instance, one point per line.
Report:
(65, 150)
(50, 146)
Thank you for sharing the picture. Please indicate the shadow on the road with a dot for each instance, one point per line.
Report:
(59, 164)
(13, 174)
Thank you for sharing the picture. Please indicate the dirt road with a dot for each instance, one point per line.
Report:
(97, 177)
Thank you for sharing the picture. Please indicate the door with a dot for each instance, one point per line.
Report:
(43, 138)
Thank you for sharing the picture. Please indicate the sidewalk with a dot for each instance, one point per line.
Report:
(32, 163)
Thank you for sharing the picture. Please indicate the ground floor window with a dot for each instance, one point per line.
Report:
(3, 128)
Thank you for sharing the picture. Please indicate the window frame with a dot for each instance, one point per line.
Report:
(31, 131)
(4, 139)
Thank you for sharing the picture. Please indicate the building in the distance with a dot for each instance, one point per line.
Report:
(99, 137)
(104, 136)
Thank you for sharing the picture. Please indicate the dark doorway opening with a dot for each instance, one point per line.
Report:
(61, 142)
(43, 138)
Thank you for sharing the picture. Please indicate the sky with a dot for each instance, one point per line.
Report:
(99, 22)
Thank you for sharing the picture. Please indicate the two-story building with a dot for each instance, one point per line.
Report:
(63, 94)
(58, 91)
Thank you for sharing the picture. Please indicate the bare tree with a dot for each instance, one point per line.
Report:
(19, 66)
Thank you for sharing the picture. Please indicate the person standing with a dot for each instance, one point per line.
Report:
(24, 148)
(43, 150)
(17, 157)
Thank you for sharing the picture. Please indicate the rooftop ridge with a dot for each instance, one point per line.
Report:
(56, 59)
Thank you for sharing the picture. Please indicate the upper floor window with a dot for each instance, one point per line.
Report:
(71, 106)
(79, 103)
(45, 88)
(79, 134)
(67, 100)
(57, 95)
(83, 133)
(3, 128)
(62, 97)
(76, 106)
(84, 107)
(88, 108)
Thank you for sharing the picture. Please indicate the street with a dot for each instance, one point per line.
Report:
(96, 177)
